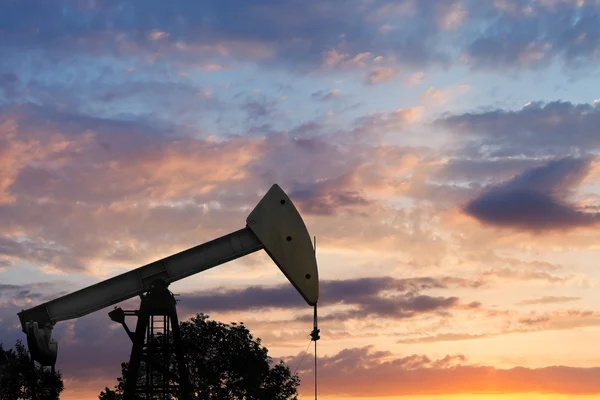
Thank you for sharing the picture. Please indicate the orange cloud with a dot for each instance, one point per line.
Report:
(379, 75)
(433, 95)
(18, 149)
(367, 372)
(415, 78)
(331, 58)
(100, 190)
(157, 35)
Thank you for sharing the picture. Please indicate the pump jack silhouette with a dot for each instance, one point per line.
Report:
(274, 226)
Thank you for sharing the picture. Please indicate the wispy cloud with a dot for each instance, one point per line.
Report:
(380, 75)
(554, 128)
(549, 300)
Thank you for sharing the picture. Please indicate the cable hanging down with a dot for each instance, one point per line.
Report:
(314, 335)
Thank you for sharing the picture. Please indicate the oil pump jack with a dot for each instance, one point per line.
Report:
(274, 226)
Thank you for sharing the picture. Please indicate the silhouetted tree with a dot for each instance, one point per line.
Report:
(18, 381)
(226, 362)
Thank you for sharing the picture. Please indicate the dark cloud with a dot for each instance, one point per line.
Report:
(538, 129)
(493, 147)
(536, 199)
(366, 295)
(526, 209)
(366, 372)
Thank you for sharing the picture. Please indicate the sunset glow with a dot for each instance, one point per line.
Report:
(443, 152)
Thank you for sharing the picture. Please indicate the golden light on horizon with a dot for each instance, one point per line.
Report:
(505, 396)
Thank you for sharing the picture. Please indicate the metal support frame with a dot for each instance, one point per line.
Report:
(153, 349)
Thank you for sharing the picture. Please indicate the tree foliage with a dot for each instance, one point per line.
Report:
(18, 381)
(226, 362)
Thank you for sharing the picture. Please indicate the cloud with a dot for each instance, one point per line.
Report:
(538, 129)
(433, 33)
(324, 95)
(156, 35)
(108, 89)
(89, 174)
(88, 337)
(452, 15)
(446, 337)
(78, 192)
(534, 34)
(381, 122)
(548, 300)
(433, 95)
(517, 275)
(482, 169)
(327, 196)
(383, 297)
(536, 199)
(15, 298)
(142, 28)
(514, 322)
(559, 320)
(415, 78)
(367, 372)
(259, 108)
(380, 75)
(39, 292)
(215, 67)
(334, 58)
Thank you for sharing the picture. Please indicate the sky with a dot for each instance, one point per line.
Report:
(444, 153)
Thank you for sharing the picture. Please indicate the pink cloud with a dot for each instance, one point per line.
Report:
(380, 75)
(91, 189)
